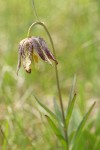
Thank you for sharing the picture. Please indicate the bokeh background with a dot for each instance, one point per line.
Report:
(75, 28)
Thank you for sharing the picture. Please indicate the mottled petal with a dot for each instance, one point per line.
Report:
(29, 49)
(46, 49)
(27, 55)
(37, 48)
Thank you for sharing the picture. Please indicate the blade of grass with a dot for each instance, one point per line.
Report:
(5, 135)
(19, 125)
(71, 135)
(70, 110)
(54, 127)
(45, 108)
(57, 111)
(5, 143)
(80, 127)
(72, 91)
(97, 143)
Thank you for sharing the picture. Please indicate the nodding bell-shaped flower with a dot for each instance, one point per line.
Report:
(29, 50)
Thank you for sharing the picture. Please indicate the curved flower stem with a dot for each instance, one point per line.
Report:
(57, 77)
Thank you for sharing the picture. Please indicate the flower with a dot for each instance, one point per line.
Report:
(29, 50)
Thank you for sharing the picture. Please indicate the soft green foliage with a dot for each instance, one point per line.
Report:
(57, 131)
(47, 110)
(70, 110)
(80, 127)
(5, 134)
(75, 29)
(71, 102)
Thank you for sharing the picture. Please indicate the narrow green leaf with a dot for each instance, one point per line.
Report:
(71, 135)
(45, 108)
(70, 110)
(20, 126)
(72, 91)
(54, 127)
(5, 143)
(81, 125)
(57, 111)
(97, 143)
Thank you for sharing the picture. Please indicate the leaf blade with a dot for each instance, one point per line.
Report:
(45, 108)
(70, 110)
(54, 127)
(57, 111)
(72, 91)
(81, 125)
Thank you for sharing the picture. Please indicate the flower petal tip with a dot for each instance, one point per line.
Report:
(28, 71)
(56, 62)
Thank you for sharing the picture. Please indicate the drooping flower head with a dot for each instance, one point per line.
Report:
(29, 50)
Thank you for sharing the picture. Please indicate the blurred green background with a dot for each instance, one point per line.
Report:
(75, 28)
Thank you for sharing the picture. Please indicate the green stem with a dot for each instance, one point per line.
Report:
(57, 76)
